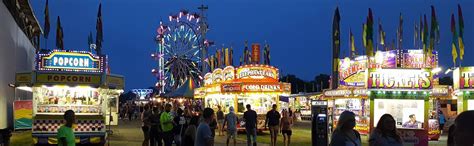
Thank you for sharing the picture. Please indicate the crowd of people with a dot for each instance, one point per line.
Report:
(165, 124)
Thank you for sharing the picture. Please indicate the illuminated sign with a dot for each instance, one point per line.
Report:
(217, 75)
(23, 78)
(319, 102)
(256, 53)
(416, 59)
(464, 78)
(208, 79)
(342, 92)
(352, 71)
(68, 78)
(70, 61)
(440, 90)
(229, 73)
(399, 78)
(231, 87)
(257, 72)
(274, 87)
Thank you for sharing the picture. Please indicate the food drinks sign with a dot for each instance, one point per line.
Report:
(70, 61)
(399, 78)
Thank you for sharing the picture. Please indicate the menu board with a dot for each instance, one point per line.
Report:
(57, 100)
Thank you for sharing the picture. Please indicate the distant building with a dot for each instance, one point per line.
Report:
(19, 41)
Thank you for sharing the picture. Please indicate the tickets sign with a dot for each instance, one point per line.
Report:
(257, 72)
(74, 61)
(399, 79)
(464, 78)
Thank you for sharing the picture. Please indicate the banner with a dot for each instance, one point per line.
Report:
(68, 78)
(22, 117)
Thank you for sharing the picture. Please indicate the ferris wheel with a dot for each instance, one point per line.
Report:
(179, 52)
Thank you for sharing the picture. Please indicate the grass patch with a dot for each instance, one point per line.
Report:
(300, 136)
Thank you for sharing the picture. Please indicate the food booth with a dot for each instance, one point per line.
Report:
(463, 80)
(72, 80)
(257, 85)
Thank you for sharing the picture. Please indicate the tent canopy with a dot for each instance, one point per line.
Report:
(187, 90)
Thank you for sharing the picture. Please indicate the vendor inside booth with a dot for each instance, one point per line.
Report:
(256, 85)
(72, 80)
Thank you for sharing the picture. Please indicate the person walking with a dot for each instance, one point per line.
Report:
(156, 134)
(285, 125)
(204, 134)
(190, 133)
(146, 124)
(442, 121)
(220, 121)
(231, 121)
(385, 134)
(166, 121)
(178, 129)
(213, 126)
(250, 118)
(65, 134)
(344, 133)
(272, 122)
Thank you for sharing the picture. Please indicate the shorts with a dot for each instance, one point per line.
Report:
(287, 132)
(274, 129)
(231, 133)
(220, 122)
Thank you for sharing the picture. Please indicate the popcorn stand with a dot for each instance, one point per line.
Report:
(72, 80)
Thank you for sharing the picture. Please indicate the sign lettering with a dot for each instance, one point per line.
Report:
(70, 60)
(399, 78)
(257, 73)
(261, 88)
(68, 79)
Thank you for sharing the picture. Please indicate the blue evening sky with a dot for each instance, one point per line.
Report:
(298, 31)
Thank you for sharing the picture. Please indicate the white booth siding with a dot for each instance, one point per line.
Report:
(17, 54)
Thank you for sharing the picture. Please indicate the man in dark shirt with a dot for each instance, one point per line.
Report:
(273, 121)
(250, 118)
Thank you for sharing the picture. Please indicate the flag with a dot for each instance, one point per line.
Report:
(267, 56)
(453, 44)
(231, 56)
(59, 35)
(364, 35)
(461, 33)
(218, 58)
(369, 37)
(434, 27)
(415, 38)
(245, 56)
(353, 49)
(425, 36)
(99, 36)
(46, 20)
(400, 32)
(381, 34)
(421, 30)
(211, 62)
(90, 40)
(226, 57)
(241, 61)
(336, 40)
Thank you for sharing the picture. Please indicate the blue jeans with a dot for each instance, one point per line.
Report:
(251, 132)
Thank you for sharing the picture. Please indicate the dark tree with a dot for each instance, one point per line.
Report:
(322, 82)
